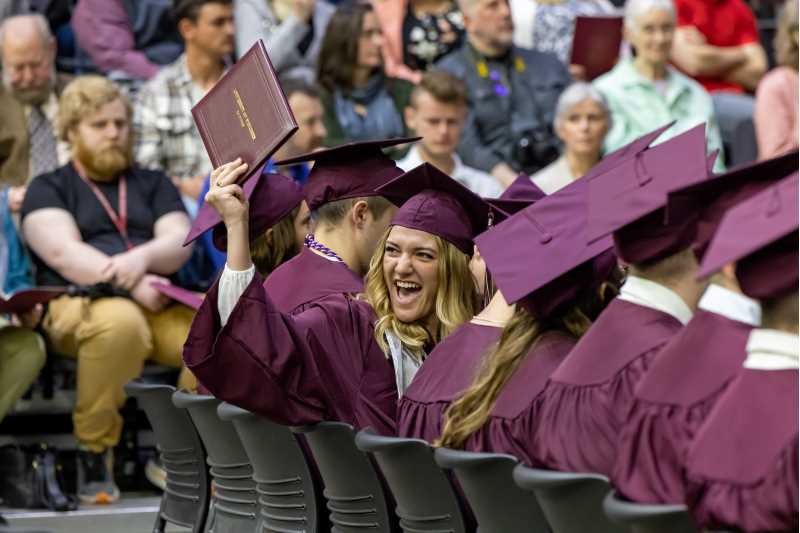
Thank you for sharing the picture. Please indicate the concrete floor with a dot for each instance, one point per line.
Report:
(132, 514)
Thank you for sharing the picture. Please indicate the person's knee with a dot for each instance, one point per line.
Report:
(119, 321)
(28, 351)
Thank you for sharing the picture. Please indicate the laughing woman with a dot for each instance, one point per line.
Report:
(345, 359)
(479, 387)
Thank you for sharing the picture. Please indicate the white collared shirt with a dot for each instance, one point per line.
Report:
(479, 182)
(733, 305)
(650, 294)
(770, 349)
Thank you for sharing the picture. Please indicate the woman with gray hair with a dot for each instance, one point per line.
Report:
(644, 92)
(581, 122)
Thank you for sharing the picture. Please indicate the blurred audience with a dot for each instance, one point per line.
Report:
(582, 122)
(292, 31)
(776, 115)
(512, 94)
(717, 43)
(22, 353)
(418, 33)
(307, 109)
(28, 104)
(645, 91)
(360, 102)
(549, 26)
(166, 136)
(101, 222)
(437, 112)
(128, 40)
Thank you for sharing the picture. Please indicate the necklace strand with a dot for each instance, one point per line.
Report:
(312, 244)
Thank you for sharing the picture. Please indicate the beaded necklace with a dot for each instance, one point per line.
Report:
(312, 244)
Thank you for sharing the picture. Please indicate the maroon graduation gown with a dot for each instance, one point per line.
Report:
(587, 399)
(447, 371)
(308, 277)
(742, 466)
(512, 422)
(671, 402)
(320, 364)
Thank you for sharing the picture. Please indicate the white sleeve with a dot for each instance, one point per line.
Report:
(232, 285)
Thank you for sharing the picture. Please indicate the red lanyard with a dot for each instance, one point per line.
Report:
(120, 221)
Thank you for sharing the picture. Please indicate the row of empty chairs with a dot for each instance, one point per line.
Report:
(268, 478)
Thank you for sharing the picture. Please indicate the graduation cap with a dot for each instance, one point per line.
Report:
(270, 197)
(433, 202)
(710, 199)
(540, 256)
(760, 235)
(520, 194)
(629, 199)
(351, 170)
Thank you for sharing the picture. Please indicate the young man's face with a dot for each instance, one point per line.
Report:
(213, 31)
(439, 124)
(102, 141)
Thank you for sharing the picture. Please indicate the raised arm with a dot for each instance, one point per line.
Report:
(54, 236)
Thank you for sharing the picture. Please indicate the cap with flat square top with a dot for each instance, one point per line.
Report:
(429, 200)
(760, 235)
(271, 197)
(629, 199)
(712, 198)
(540, 256)
(520, 194)
(351, 170)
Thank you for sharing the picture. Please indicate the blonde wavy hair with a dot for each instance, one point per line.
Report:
(456, 299)
(470, 412)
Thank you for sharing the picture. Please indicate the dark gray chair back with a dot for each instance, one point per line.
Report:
(186, 498)
(426, 501)
(499, 505)
(572, 502)
(286, 492)
(648, 518)
(235, 502)
(353, 490)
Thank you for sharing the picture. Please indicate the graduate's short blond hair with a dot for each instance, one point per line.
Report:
(83, 96)
(456, 299)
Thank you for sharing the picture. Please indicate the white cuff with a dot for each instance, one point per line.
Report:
(232, 285)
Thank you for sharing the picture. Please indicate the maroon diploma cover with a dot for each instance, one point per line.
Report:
(25, 300)
(178, 294)
(246, 113)
(595, 44)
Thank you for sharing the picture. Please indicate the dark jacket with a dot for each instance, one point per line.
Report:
(496, 122)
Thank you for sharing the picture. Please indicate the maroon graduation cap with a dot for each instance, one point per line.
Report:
(433, 202)
(760, 235)
(271, 197)
(540, 256)
(520, 194)
(710, 199)
(629, 199)
(351, 170)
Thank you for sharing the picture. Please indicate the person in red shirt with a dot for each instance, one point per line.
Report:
(717, 43)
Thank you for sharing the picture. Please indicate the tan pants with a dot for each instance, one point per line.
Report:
(22, 357)
(112, 338)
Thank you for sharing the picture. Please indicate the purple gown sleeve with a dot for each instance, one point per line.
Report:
(262, 360)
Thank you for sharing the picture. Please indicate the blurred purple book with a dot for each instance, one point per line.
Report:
(596, 43)
(186, 297)
(25, 300)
